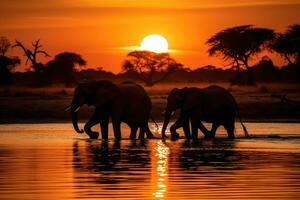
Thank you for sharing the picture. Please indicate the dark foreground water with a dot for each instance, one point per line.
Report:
(50, 161)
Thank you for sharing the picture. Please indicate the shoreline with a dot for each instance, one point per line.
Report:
(47, 105)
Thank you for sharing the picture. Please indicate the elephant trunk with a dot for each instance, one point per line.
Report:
(74, 108)
(166, 122)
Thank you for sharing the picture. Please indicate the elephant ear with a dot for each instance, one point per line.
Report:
(105, 94)
(193, 98)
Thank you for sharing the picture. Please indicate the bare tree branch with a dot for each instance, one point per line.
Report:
(32, 54)
(43, 52)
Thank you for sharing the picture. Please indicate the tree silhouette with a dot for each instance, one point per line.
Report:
(4, 45)
(288, 44)
(146, 64)
(239, 44)
(6, 65)
(32, 54)
(62, 68)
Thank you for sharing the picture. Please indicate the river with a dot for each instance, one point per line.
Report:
(51, 161)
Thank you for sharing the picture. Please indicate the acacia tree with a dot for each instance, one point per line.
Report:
(32, 54)
(239, 44)
(146, 64)
(287, 44)
(62, 68)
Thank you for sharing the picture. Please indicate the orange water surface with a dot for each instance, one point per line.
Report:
(50, 161)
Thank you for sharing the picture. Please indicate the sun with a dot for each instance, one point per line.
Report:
(155, 43)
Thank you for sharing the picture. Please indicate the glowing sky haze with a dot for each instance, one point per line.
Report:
(101, 30)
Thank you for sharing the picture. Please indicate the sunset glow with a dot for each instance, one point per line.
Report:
(155, 43)
(102, 31)
(160, 99)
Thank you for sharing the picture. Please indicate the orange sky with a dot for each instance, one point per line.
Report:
(102, 30)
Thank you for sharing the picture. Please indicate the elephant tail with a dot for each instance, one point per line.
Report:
(244, 127)
(151, 116)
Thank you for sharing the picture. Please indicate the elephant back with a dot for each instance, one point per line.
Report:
(135, 99)
(218, 93)
(135, 89)
(218, 98)
(134, 84)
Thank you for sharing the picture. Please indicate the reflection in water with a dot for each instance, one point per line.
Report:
(161, 161)
(121, 166)
(113, 162)
(41, 163)
(219, 154)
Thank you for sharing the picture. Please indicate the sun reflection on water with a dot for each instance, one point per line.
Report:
(161, 155)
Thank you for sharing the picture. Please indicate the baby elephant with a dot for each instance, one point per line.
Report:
(126, 102)
(213, 104)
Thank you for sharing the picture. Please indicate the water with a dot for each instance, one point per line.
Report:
(50, 161)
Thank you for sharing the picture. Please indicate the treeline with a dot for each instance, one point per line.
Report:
(263, 71)
(236, 46)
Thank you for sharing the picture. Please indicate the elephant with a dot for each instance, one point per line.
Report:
(212, 104)
(127, 102)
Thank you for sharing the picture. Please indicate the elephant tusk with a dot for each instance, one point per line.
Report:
(172, 114)
(76, 110)
(68, 108)
(163, 112)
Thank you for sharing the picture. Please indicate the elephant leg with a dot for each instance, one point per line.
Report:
(203, 129)
(104, 121)
(186, 128)
(102, 115)
(194, 123)
(117, 128)
(214, 128)
(148, 132)
(145, 129)
(182, 121)
(229, 126)
(142, 132)
(87, 127)
(184, 117)
(178, 124)
(133, 130)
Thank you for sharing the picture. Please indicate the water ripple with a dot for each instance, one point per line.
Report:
(51, 164)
